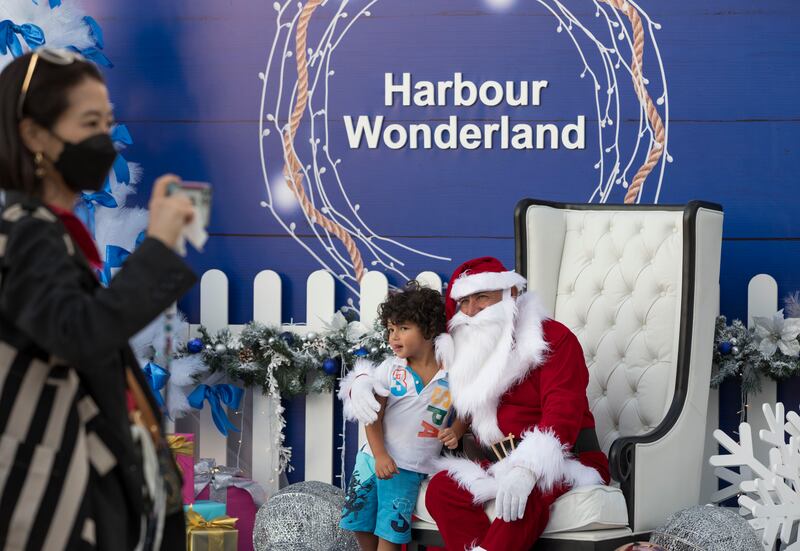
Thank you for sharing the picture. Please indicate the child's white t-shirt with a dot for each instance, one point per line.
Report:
(414, 415)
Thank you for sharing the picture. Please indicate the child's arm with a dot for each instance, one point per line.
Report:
(385, 466)
(452, 434)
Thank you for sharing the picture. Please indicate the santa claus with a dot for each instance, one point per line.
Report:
(519, 378)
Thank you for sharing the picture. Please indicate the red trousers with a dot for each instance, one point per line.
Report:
(464, 525)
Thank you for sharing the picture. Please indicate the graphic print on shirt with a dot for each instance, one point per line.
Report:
(399, 376)
(440, 404)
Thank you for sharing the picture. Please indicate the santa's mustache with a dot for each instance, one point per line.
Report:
(494, 315)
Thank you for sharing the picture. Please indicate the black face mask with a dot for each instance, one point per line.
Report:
(85, 165)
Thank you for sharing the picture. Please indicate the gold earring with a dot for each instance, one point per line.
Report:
(38, 160)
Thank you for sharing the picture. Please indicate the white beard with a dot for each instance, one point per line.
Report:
(484, 350)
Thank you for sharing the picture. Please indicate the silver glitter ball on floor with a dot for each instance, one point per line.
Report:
(706, 528)
(303, 517)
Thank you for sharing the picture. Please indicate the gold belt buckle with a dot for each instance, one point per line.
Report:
(502, 444)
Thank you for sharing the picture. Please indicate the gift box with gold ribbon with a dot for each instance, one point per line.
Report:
(218, 534)
(241, 495)
(182, 446)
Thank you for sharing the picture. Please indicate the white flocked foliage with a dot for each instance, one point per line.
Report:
(769, 495)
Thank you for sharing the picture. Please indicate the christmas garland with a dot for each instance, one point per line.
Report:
(770, 348)
(293, 364)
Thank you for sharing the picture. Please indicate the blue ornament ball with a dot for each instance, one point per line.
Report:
(361, 352)
(288, 337)
(331, 366)
(725, 347)
(194, 346)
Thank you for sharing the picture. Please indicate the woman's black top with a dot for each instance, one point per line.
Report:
(70, 474)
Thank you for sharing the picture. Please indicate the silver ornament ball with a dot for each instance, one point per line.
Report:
(271, 340)
(734, 341)
(707, 528)
(735, 350)
(374, 349)
(304, 516)
(221, 348)
(311, 336)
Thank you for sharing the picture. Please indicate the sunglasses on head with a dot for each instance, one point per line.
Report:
(50, 55)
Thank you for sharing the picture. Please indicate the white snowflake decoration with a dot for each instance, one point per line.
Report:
(769, 495)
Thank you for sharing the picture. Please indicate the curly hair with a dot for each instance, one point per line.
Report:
(415, 304)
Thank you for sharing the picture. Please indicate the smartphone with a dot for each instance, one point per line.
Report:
(200, 195)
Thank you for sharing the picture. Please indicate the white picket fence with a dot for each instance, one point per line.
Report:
(253, 447)
(762, 300)
(256, 440)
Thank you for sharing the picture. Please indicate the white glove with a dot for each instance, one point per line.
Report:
(363, 404)
(512, 493)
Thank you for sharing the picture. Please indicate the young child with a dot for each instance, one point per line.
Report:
(411, 425)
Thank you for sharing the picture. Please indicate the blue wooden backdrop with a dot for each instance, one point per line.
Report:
(186, 82)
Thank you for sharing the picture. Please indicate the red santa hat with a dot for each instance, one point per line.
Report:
(476, 275)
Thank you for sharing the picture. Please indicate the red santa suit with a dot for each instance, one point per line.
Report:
(531, 385)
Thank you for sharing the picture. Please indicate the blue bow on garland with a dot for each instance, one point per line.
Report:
(53, 3)
(217, 395)
(157, 378)
(102, 198)
(121, 135)
(95, 31)
(94, 53)
(116, 257)
(32, 34)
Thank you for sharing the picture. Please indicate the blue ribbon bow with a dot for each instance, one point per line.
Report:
(217, 395)
(32, 34)
(53, 3)
(102, 198)
(121, 135)
(116, 257)
(94, 53)
(94, 29)
(157, 379)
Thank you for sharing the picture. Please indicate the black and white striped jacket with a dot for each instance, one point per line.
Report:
(70, 476)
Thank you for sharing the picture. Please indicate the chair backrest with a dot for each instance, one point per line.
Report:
(614, 277)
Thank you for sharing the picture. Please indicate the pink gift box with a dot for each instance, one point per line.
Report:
(182, 446)
(240, 505)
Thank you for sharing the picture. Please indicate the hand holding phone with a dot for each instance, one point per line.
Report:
(179, 211)
(200, 195)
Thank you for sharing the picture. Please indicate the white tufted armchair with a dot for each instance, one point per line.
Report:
(638, 285)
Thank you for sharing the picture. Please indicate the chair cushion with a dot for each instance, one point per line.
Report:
(586, 508)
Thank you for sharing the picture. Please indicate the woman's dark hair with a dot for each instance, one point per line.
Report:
(415, 304)
(46, 100)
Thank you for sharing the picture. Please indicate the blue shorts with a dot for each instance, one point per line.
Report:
(380, 507)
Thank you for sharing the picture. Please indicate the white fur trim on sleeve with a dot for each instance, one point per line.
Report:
(470, 476)
(487, 281)
(445, 349)
(362, 368)
(579, 475)
(544, 455)
(540, 452)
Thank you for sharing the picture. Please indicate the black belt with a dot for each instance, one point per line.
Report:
(586, 442)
